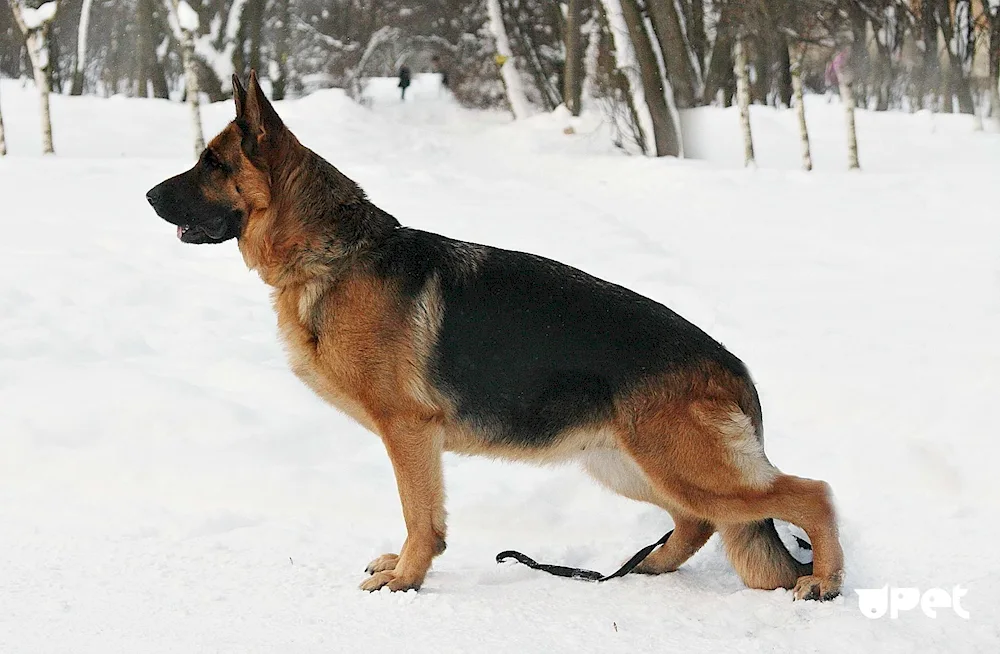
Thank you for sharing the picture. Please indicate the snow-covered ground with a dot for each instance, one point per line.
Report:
(167, 485)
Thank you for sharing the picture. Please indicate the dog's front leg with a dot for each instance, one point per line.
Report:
(415, 451)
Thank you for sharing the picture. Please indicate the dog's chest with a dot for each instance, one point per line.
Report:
(317, 339)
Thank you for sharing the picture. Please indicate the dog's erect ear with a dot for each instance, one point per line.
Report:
(239, 96)
(259, 116)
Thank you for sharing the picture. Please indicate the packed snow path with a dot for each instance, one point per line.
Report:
(167, 485)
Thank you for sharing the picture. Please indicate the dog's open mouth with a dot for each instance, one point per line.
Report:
(192, 233)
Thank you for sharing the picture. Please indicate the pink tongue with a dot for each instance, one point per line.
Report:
(180, 231)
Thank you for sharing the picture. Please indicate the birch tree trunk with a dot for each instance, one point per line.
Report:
(846, 79)
(76, 88)
(627, 67)
(742, 73)
(508, 71)
(36, 35)
(574, 58)
(191, 89)
(42, 82)
(182, 27)
(800, 108)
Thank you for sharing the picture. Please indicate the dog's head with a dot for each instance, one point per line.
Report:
(213, 201)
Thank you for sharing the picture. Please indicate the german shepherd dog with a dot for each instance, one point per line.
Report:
(438, 345)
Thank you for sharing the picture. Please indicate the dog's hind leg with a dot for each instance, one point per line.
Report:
(688, 537)
(705, 457)
(415, 449)
(618, 472)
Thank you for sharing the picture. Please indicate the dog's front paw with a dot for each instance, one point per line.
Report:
(389, 579)
(812, 587)
(382, 563)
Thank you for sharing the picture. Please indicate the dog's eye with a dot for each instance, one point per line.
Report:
(212, 161)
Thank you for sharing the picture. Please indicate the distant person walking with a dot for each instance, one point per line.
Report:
(438, 68)
(404, 81)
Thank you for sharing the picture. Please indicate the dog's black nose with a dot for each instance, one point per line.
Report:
(153, 196)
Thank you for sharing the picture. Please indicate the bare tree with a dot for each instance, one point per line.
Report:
(954, 18)
(573, 77)
(845, 78)
(742, 72)
(217, 47)
(694, 25)
(719, 74)
(665, 133)
(35, 23)
(80, 64)
(279, 73)
(796, 56)
(150, 66)
(991, 15)
(677, 55)
(184, 22)
(505, 58)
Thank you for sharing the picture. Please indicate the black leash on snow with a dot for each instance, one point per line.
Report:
(579, 573)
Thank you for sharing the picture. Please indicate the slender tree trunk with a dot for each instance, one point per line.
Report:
(882, 75)
(573, 77)
(743, 99)
(796, 57)
(36, 37)
(79, 66)
(150, 66)
(624, 76)
(551, 94)
(760, 55)
(945, 87)
(254, 25)
(846, 79)
(673, 48)
(783, 74)
(994, 62)
(694, 21)
(144, 46)
(930, 64)
(42, 81)
(191, 90)
(859, 51)
(959, 86)
(720, 69)
(665, 133)
(279, 85)
(508, 70)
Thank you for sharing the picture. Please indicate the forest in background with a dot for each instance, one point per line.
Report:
(637, 61)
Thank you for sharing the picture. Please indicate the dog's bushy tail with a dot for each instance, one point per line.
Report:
(759, 556)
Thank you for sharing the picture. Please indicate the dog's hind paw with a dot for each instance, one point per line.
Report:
(382, 563)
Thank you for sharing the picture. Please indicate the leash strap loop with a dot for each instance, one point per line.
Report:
(579, 573)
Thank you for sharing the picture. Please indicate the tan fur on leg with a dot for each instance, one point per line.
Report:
(415, 452)
(690, 534)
